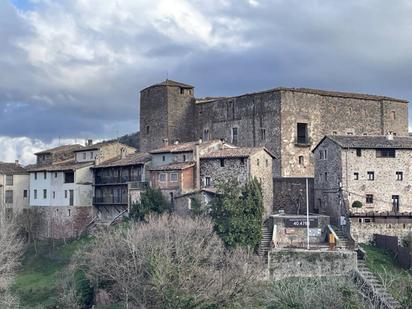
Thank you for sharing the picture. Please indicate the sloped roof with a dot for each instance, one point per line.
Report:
(241, 152)
(173, 166)
(369, 141)
(171, 83)
(320, 92)
(132, 159)
(61, 149)
(99, 145)
(12, 169)
(183, 147)
(68, 165)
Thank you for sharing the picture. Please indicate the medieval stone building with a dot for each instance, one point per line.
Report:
(289, 122)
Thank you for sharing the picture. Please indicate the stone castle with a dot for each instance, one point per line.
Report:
(287, 121)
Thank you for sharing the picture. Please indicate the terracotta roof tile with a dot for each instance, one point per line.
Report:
(133, 159)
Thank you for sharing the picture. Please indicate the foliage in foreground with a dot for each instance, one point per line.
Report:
(170, 262)
(151, 201)
(237, 214)
(317, 292)
(395, 279)
(11, 250)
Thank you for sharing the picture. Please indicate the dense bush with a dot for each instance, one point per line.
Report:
(357, 204)
(237, 213)
(151, 201)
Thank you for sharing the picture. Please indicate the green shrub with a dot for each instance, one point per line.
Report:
(150, 201)
(84, 289)
(357, 204)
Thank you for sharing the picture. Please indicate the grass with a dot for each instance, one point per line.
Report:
(37, 282)
(397, 280)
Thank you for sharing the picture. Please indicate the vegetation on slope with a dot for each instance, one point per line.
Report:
(397, 280)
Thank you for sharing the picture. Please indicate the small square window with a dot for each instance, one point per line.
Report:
(173, 177)
(45, 175)
(369, 198)
(371, 175)
(163, 158)
(257, 162)
(9, 197)
(55, 175)
(359, 152)
(184, 158)
(262, 134)
(267, 162)
(335, 132)
(207, 181)
(25, 193)
(162, 177)
(35, 175)
(147, 129)
(356, 176)
(242, 161)
(65, 193)
(301, 160)
(44, 193)
(9, 180)
(399, 176)
(326, 176)
(222, 162)
(84, 156)
(54, 194)
(35, 194)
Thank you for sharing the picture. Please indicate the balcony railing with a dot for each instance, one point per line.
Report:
(101, 180)
(111, 200)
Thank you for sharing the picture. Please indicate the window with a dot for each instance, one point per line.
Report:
(9, 197)
(162, 177)
(395, 203)
(206, 134)
(234, 135)
(369, 198)
(207, 181)
(55, 175)
(356, 176)
(262, 134)
(54, 194)
(323, 154)
(35, 194)
(163, 158)
(91, 155)
(44, 193)
(35, 175)
(84, 156)
(257, 162)
(393, 115)
(385, 153)
(184, 158)
(25, 193)
(182, 90)
(242, 161)
(349, 133)
(399, 176)
(367, 220)
(45, 175)
(222, 162)
(9, 180)
(69, 177)
(65, 193)
(326, 176)
(359, 152)
(173, 177)
(301, 160)
(371, 175)
(302, 133)
(334, 132)
(267, 162)
(147, 129)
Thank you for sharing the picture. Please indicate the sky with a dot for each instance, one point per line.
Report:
(72, 69)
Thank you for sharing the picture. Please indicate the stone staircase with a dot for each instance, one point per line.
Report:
(372, 288)
(264, 246)
(344, 242)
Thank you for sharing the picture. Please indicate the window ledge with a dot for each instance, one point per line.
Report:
(303, 144)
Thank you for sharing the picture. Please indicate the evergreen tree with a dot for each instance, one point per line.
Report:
(237, 213)
(150, 201)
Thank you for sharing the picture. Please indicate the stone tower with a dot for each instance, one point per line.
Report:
(166, 114)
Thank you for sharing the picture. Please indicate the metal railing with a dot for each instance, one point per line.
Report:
(101, 180)
(111, 200)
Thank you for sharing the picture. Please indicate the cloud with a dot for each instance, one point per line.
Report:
(74, 68)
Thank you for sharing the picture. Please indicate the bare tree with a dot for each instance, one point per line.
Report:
(11, 250)
(171, 262)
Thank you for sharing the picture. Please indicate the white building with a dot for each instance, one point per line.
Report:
(14, 186)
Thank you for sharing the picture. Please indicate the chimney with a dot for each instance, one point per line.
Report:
(389, 136)
(89, 142)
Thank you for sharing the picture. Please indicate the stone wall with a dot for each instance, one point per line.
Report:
(261, 169)
(289, 195)
(233, 169)
(362, 232)
(298, 262)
